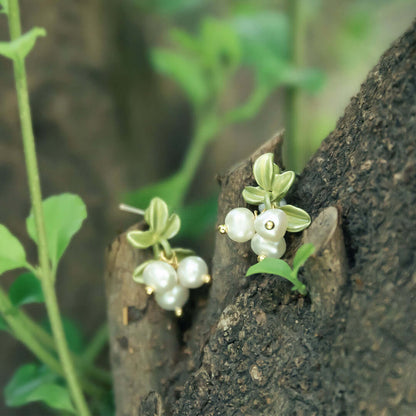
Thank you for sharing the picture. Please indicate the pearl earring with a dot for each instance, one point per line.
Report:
(267, 229)
(173, 271)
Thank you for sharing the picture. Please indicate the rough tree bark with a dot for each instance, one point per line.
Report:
(346, 349)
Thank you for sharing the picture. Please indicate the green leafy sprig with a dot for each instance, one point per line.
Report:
(273, 186)
(281, 268)
(162, 227)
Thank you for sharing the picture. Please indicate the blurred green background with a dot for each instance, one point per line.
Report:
(126, 94)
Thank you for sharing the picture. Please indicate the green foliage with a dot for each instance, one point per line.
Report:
(281, 268)
(26, 289)
(64, 215)
(12, 253)
(4, 6)
(3, 325)
(20, 47)
(184, 71)
(32, 383)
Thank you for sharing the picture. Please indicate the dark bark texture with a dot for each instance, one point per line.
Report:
(348, 348)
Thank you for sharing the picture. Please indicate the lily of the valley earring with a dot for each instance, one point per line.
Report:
(173, 271)
(266, 229)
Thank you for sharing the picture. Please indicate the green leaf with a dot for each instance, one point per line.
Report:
(220, 44)
(142, 239)
(156, 215)
(184, 40)
(263, 171)
(138, 271)
(26, 289)
(12, 253)
(271, 266)
(184, 71)
(265, 40)
(303, 253)
(64, 215)
(254, 195)
(181, 253)
(5, 6)
(3, 325)
(31, 383)
(197, 218)
(172, 227)
(298, 218)
(168, 189)
(281, 184)
(20, 47)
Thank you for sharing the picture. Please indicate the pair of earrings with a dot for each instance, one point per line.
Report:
(174, 271)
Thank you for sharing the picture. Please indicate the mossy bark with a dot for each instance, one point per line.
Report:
(349, 347)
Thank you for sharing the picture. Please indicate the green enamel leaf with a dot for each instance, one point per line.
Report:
(32, 383)
(282, 184)
(297, 217)
(303, 253)
(181, 253)
(12, 253)
(142, 239)
(20, 47)
(263, 171)
(156, 215)
(271, 266)
(64, 215)
(172, 227)
(138, 271)
(26, 289)
(254, 195)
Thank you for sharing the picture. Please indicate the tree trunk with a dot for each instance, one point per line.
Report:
(256, 348)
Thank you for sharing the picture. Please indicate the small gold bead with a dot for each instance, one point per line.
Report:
(206, 278)
(178, 312)
(149, 290)
(269, 225)
(261, 257)
(222, 229)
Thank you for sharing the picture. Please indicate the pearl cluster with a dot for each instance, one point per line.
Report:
(171, 281)
(266, 231)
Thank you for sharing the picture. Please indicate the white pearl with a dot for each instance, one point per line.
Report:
(160, 276)
(263, 247)
(240, 224)
(191, 272)
(274, 218)
(262, 207)
(173, 298)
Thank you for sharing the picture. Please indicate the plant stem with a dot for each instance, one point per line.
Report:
(292, 96)
(47, 277)
(14, 318)
(83, 364)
